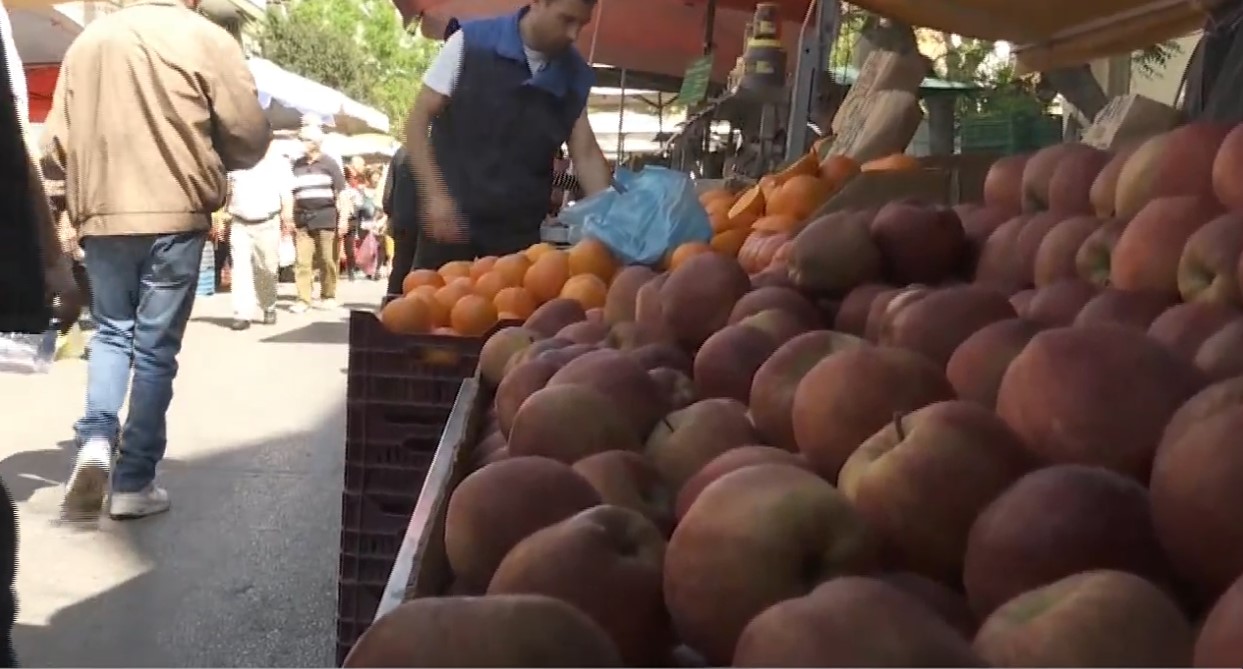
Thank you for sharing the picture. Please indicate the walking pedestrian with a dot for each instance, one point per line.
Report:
(500, 98)
(261, 206)
(154, 104)
(321, 217)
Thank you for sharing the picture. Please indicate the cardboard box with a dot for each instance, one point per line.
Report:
(876, 189)
(882, 71)
(892, 118)
(1129, 118)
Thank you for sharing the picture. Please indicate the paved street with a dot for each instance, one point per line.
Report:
(242, 571)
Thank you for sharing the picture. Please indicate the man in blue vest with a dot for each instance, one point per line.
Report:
(503, 95)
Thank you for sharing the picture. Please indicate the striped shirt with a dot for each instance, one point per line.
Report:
(316, 184)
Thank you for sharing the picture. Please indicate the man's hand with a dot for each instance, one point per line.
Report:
(65, 295)
(443, 222)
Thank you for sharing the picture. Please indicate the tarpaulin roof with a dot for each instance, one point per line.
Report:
(1052, 33)
(657, 36)
(663, 35)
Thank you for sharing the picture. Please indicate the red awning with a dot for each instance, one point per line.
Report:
(656, 36)
(41, 84)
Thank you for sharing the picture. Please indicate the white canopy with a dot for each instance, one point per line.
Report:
(289, 97)
(43, 33)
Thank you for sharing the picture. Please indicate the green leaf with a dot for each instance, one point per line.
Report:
(358, 47)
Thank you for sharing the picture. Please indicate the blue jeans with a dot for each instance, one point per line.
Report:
(142, 291)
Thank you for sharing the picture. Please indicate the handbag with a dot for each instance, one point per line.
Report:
(286, 252)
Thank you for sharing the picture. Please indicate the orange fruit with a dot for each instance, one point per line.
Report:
(776, 223)
(547, 275)
(490, 284)
(748, 207)
(513, 267)
(799, 197)
(516, 302)
(537, 250)
(898, 162)
(439, 312)
(482, 266)
(685, 251)
(714, 194)
(447, 331)
(591, 256)
(837, 170)
(406, 315)
(588, 290)
(454, 269)
(729, 242)
(472, 316)
(450, 294)
(421, 277)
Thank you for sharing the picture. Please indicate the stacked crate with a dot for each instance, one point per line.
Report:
(400, 391)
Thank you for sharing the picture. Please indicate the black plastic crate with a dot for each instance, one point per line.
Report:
(373, 525)
(356, 606)
(419, 359)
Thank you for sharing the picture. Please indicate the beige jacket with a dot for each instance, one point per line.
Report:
(154, 104)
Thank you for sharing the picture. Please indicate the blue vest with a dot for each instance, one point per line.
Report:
(496, 140)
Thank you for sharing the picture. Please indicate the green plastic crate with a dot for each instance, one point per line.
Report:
(1009, 135)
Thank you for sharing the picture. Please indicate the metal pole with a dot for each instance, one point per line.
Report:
(709, 26)
(621, 117)
(813, 44)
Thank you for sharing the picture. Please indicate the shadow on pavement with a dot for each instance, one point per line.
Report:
(241, 572)
(321, 332)
(26, 472)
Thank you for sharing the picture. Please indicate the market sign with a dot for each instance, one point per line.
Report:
(695, 81)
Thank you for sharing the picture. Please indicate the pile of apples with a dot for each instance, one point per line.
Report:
(1000, 434)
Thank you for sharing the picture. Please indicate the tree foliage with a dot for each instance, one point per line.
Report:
(358, 47)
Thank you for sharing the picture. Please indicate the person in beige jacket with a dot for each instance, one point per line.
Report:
(153, 106)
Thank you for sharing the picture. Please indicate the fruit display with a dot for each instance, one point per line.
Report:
(470, 298)
(995, 434)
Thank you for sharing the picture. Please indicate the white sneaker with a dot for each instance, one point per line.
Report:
(299, 308)
(88, 484)
(327, 305)
(130, 505)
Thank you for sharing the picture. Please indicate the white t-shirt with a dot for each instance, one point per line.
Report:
(257, 192)
(442, 75)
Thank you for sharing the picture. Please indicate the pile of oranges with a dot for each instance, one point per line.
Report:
(468, 298)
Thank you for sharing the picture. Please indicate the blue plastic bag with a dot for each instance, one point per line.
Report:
(642, 216)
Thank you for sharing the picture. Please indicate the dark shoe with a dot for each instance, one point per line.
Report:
(239, 325)
(269, 317)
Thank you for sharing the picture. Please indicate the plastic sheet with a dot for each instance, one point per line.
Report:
(642, 216)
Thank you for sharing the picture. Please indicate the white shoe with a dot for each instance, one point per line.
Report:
(88, 484)
(327, 305)
(299, 308)
(130, 505)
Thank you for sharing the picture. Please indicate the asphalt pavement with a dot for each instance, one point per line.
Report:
(242, 570)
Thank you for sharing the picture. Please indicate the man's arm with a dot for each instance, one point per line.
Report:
(52, 154)
(242, 132)
(386, 191)
(438, 84)
(345, 202)
(590, 166)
